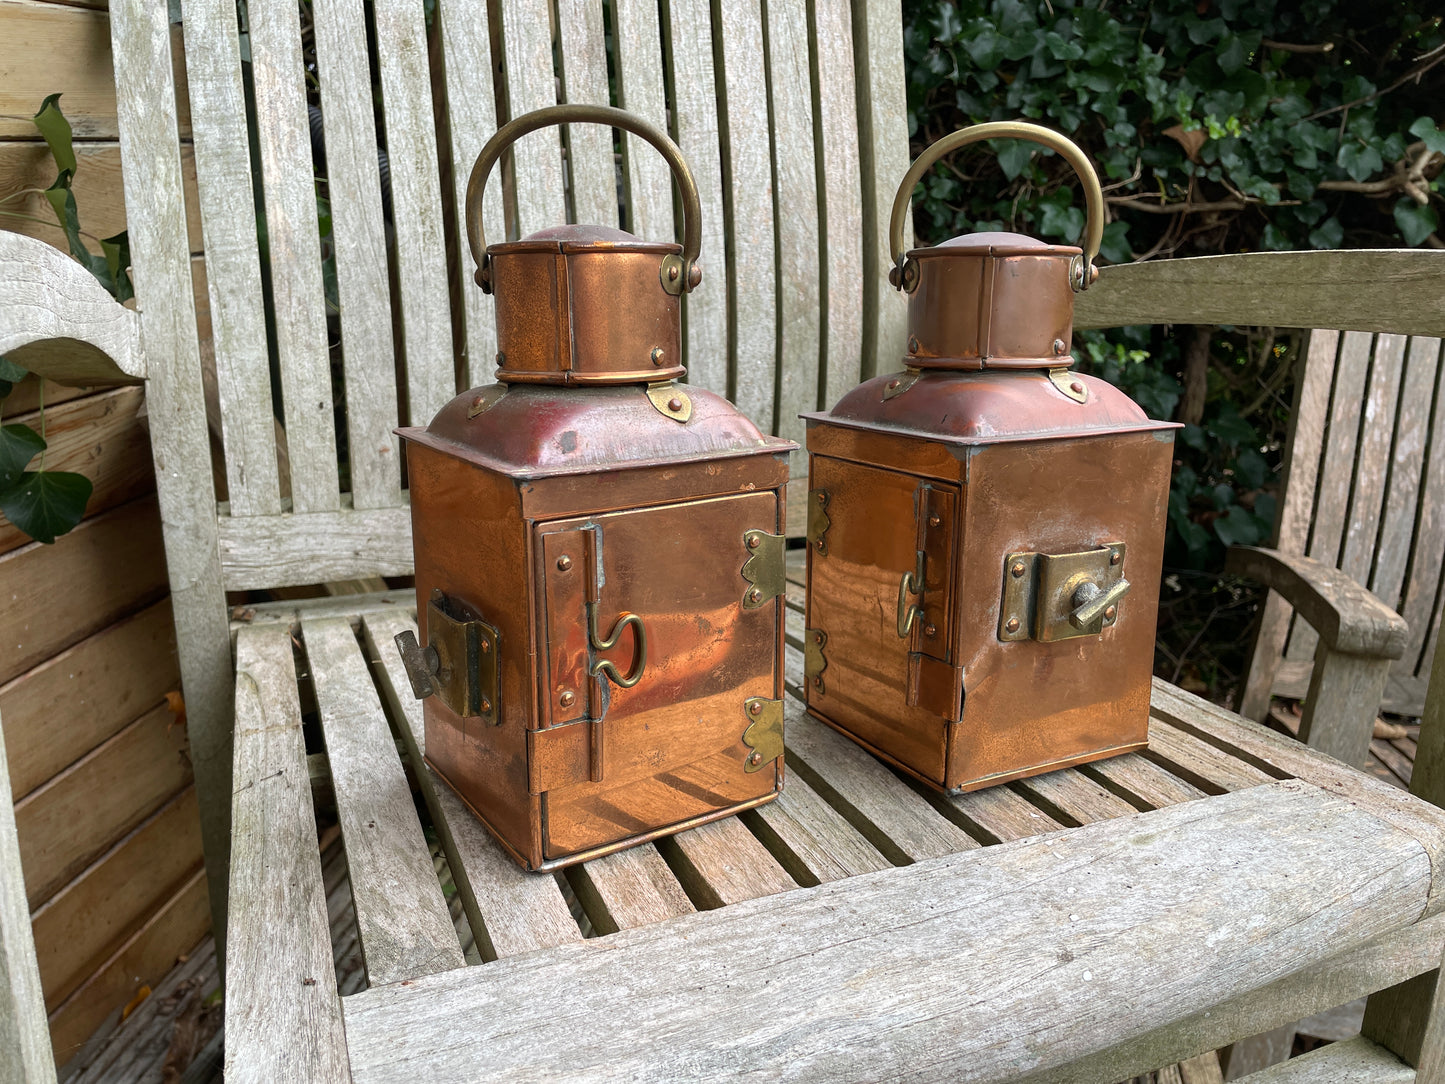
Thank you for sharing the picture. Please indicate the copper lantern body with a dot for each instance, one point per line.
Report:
(986, 527)
(599, 553)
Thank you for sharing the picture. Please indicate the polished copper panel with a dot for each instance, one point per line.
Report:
(991, 301)
(585, 305)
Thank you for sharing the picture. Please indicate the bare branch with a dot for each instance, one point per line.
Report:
(1290, 47)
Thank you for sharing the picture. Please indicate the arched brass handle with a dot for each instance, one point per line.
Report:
(1003, 129)
(604, 667)
(679, 273)
(911, 584)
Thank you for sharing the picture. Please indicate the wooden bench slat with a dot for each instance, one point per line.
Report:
(233, 266)
(1001, 812)
(584, 80)
(1418, 608)
(537, 158)
(299, 305)
(1069, 795)
(402, 917)
(927, 931)
(1372, 458)
(1397, 536)
(748, 176)
(695, 128)
(1198, 762)
(1354, 1061)
(359, 241)
(722, 863)
(421, 259)
(631, 888)
(472, 118)
(1337, 470)
(283, 1016)
(1139, 780)
(884, 809)
(510, 910)
(637, 39)
(815, 837)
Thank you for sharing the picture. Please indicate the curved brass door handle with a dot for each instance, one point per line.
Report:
(1090, 602)
(911, 584)
(604, 667)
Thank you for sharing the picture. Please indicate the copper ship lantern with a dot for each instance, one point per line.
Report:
(599, 551)
(986, 527)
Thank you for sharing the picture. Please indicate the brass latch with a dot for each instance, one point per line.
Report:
(459, 663)
(1049, 597)
(765, 569)
(764, 735)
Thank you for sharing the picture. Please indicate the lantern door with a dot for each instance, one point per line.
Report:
(881, 638)
(657, 669)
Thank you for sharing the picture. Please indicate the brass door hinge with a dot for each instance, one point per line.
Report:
(459, 663)
(813, 661)
(818, 521)
(765, 569)
(764, 735)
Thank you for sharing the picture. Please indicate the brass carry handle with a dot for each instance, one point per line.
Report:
(911, 584)
(604, 667)
(679, 274)
(1005, 129)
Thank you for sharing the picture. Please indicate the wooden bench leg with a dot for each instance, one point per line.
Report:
(1257, 1052)
(1343, 699)
(1409, 1020)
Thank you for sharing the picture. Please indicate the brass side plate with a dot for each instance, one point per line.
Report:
(764, 735)
(818, 521)
(764, 569)
(670, 400)
(1039, 590)
(901, 383)
(467, 650)
(813, 661)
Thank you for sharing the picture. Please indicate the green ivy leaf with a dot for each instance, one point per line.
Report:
(1424, 129)
(10, 375)
(46, 504)
(1328, 234)
(1359, 160)
(1238, 527)
(117, 262)
(19, 444)
(1013, 156)
(55, 129)
(1416, 223)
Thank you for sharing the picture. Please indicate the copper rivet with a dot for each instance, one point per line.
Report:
(817, 637)
(818, 682)
(674, 404)
(566, 699)
(501, 359)
(657, 355)
(755, 595)
(1077, 388)
(755, 757)
(486, 705)
(1059, 346)
(564, 562)
(912, 345)
(818, 545)
(820, 498)
(892, 384)
(753, 541)
(934, 521)
(930, 630)
(1018, 568)
(486, 647)
(1013, 624)
(672, 272)
(1115, 557)
(1109, 613)
(755, 708)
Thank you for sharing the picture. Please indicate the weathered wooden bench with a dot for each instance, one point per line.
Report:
(1084, 925)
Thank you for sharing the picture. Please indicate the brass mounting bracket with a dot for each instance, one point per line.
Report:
(1049, 597)
(459, 665)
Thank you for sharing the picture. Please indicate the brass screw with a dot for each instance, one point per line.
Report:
(1115, 557)
(1110, 612)
(486, 706)
(753, 541)
(818, 545)
(1077, 388)
(674, 404)
(912, 344)
(566, 699)
(817, 638)
(1060, 346)
(820, 498)
(486, 647)
(934, 521)
(657, 355)
(1018, 569)
(755, 757)
(755, 595)
(1012, 625)
(930, 630)
(564, 563)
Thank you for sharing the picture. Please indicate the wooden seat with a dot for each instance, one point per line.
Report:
(1082, 925)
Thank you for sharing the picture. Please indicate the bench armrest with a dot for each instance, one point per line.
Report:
(59, 322)
(1348, 618)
